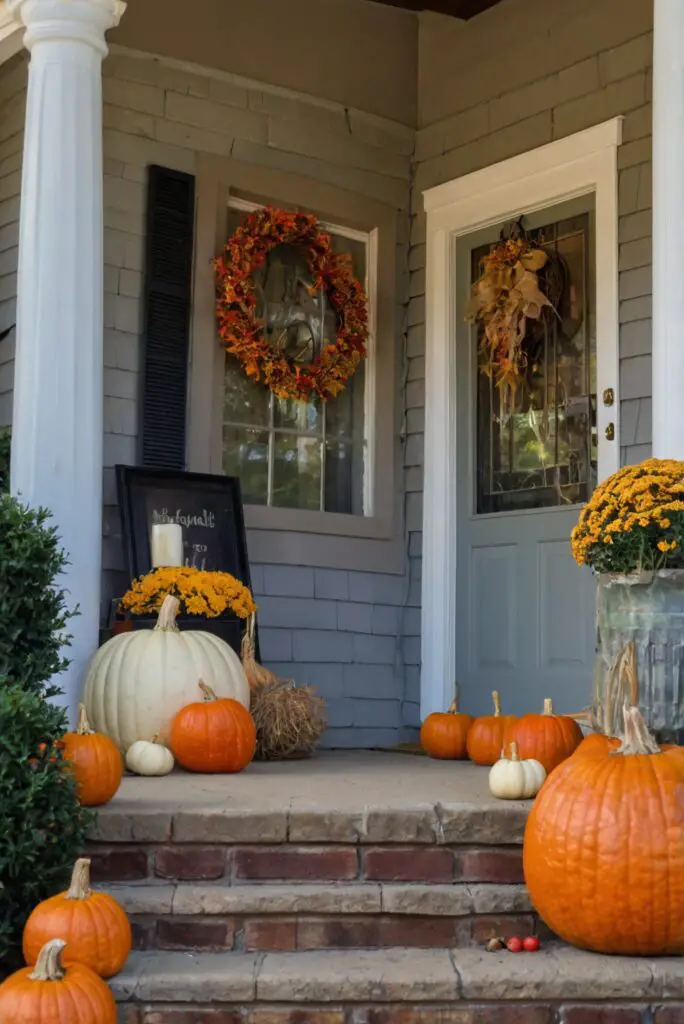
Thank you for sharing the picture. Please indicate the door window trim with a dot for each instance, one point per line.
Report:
(578, 165)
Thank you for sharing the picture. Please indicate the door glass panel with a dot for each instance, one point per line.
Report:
(539, 450)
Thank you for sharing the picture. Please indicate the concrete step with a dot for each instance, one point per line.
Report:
(559, 985)
(218, 916)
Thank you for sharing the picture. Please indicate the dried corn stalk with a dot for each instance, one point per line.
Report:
(256, 674)
(502, 300)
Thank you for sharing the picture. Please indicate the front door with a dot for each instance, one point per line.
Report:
(525, 610)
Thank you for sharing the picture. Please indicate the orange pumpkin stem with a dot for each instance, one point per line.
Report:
(637, 739)
(548, 706)
(497, 704)
(207, 691)
(49, 965)
(83, 725)
(453, 707)
(166, 620)
(80, 880)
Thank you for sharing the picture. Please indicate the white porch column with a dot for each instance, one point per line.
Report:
(668, 229)
(57, 421)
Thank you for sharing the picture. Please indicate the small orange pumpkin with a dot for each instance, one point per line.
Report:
(444, 735)
(603, 854)
(213, 735)
(490, 734)
(547, 738)
(96, 762)
(51, 993)
(95, 927)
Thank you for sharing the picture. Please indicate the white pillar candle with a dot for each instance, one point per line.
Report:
(167, 545)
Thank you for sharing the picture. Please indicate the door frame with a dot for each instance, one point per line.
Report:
(580, 164)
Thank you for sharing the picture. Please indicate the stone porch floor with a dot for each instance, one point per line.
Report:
(337, 796)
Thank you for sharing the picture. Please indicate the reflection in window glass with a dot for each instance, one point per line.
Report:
(288, 454)
(543, 453)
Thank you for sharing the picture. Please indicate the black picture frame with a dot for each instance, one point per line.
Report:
(210, 510)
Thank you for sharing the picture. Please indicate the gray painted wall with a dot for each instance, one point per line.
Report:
(12, 106)
(519, 76)
(341, 631)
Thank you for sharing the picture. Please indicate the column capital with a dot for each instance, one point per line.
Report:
(82, 21)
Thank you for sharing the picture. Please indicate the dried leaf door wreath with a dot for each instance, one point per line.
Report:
(241, 329)
(506, 295)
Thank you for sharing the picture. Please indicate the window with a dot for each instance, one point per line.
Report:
(301, 455)
(543, 452)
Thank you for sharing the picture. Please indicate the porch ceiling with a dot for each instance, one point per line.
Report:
(463, 9)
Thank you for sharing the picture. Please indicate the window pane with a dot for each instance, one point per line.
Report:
(344, 478)
(245, 455)
(301, 416)
(541, 451)
(244, 399)
(345, 413)
(297, 472)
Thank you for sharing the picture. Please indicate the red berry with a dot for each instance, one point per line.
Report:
(532, 944)
(514, 945)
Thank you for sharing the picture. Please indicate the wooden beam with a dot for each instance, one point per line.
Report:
(463, 9)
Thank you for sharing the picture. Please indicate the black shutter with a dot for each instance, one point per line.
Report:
(168, 295)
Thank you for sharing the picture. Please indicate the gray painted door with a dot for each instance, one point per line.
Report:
(526, 611)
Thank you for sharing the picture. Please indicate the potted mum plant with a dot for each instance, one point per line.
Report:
(215, 602)
(631, 532)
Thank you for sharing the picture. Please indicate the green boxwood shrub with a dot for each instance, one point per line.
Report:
(33, 609)
(42, 826)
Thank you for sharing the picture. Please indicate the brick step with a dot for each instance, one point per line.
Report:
(560, 985)
(297, 862)
(288, 917)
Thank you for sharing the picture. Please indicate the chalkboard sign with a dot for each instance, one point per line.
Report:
(209, 508)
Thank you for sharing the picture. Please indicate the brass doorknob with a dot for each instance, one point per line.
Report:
(610, 432)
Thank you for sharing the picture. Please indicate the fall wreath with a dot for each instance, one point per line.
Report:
(507, 296)
(243, 330)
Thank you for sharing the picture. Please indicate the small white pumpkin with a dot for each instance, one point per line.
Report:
(149, 757)
(513, 779)
(137, 682)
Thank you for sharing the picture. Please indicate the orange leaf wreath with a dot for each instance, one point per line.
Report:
(242, 331)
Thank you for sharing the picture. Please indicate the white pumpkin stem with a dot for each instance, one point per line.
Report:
(548, 706)
(80, 880)
(155, 738)
(497, 703)
(514, 752)
(83, 725)
(637, 738)
(166, 620)
(207, 691)
(49, 965)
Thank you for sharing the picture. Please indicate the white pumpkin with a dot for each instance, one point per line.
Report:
(149, 758)
(138, 681)
(513, 779)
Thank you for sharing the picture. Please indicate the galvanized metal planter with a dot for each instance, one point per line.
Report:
(646, 609)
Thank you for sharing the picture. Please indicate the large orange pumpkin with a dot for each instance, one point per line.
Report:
(95, 927)
(547, 738)
(490, 734)
(444, 735)
(95, 761)
(50, 993)
(603, 851)
(213, 735)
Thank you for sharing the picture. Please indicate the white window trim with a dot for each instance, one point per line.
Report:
(370, 240)
(581, 164)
